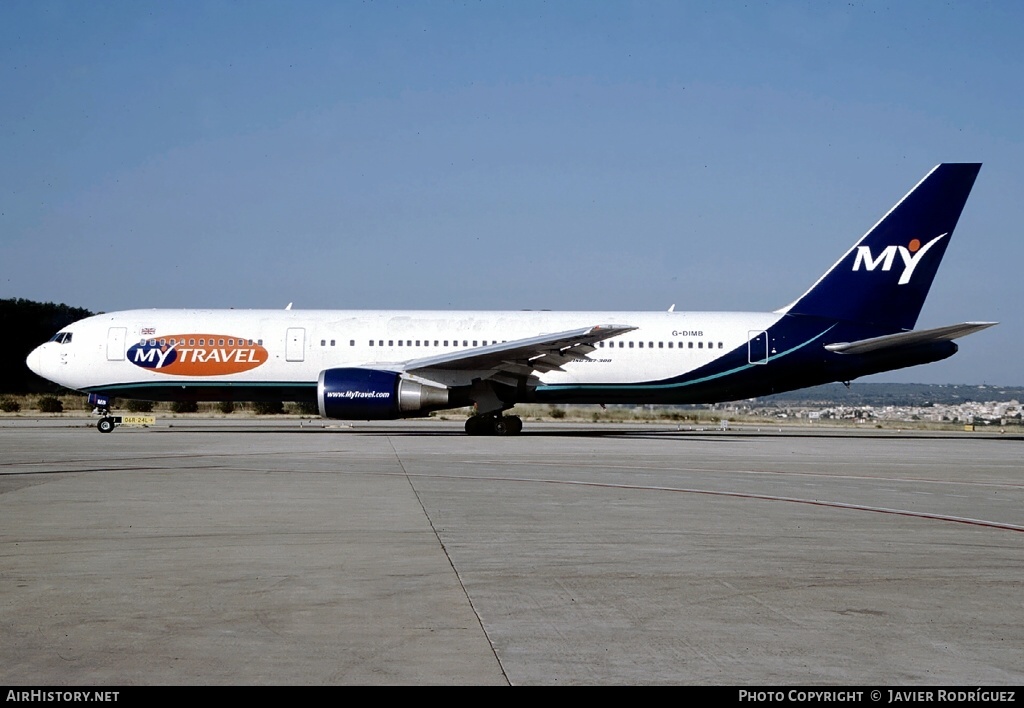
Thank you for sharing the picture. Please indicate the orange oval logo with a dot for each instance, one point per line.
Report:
(198, 354)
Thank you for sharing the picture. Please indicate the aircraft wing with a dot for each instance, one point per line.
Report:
(517, 360)
(903, 339)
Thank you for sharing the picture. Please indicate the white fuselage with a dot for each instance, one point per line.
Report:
(294, 346)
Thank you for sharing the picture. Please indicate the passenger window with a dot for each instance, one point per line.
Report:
(323, 342)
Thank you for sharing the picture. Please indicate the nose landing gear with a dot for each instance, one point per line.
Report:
(107, 422)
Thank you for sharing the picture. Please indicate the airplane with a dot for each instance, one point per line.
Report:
(856, 319)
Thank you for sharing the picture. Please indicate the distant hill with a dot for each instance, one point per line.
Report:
(883, 394)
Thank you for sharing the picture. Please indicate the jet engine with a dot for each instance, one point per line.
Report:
(371, 394)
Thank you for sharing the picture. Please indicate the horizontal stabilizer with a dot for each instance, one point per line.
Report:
(904, 339)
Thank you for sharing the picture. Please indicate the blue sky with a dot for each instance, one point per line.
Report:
(504, 155)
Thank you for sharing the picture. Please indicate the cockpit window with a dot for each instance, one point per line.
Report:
(61, 337)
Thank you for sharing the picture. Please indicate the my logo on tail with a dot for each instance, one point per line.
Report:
(911, 255)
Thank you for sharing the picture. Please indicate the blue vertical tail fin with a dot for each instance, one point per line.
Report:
(884, 279)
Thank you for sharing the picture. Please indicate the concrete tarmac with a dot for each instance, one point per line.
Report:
(277, 552)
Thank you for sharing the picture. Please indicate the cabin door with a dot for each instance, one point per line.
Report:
(295, 344)
(115, 343)
(757, 347)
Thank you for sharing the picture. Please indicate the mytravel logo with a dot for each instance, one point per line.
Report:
(910, 255)
(198, 354)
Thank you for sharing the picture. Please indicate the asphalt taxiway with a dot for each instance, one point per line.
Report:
(279, 552)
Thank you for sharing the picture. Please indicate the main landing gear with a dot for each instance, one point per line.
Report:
(494, 425)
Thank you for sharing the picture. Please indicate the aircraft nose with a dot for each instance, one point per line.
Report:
(34, 361)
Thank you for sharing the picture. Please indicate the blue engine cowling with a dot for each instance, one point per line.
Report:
(370, 394)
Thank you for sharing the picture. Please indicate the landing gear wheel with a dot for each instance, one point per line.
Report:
(494, 425)
(479, 425)
(105, 425)
(515, 424)
(483, 425)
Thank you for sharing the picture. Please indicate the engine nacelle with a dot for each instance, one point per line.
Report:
(371, 394)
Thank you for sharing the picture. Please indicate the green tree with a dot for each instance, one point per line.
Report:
(268, 407)
(50, 404)
(26, 325)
